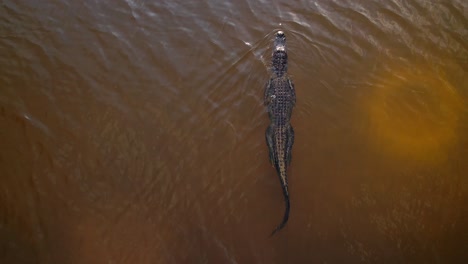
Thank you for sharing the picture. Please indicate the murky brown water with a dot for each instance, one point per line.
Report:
(133, 132)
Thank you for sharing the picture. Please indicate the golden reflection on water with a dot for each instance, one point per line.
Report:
(414, 113)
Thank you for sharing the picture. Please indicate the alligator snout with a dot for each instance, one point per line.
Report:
(280, 41)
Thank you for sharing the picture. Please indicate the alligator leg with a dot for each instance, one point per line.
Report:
(293, 94)
(289, 143)
(269, 140)
(268, 93)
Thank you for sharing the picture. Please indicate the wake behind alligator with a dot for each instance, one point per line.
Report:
(280, 99)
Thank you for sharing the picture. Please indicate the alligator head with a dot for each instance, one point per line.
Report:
(280, 57)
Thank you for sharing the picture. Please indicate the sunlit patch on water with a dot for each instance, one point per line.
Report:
(414, 113)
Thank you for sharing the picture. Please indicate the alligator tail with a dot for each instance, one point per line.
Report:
(284, 186)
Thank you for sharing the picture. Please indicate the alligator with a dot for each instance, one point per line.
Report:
(280, 98)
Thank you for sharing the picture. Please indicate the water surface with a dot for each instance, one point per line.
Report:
(133, 132)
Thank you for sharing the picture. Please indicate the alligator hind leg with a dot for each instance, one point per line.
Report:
(289, 143)
(269, 141)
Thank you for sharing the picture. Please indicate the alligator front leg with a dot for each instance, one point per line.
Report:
(293, 91)
(289, 143)
(268, 93)
(269, 140)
